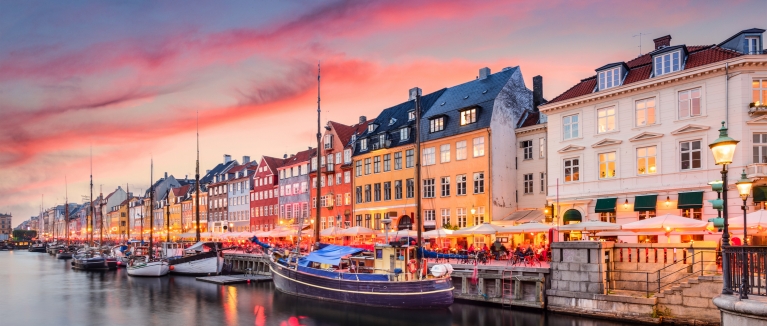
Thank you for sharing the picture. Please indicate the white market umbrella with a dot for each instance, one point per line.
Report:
(484, 228)
(753, 220)
(590, 226)
(331, 232)
(666, 223)
(534, 227)
(402, 233)
(357, 231)
(438, 233)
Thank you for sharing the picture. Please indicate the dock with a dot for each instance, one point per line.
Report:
(234, 279)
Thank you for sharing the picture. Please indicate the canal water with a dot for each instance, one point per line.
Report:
(37, 289)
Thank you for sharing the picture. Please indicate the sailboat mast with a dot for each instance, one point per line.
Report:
(197, 184)
(90, 220)
(151, 210)
(319, 157)
(167, 216)
(101, 215)
(127, 190)
(418, 217)
(66, 209)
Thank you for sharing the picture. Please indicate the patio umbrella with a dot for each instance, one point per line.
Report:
(331, 232)
(590, 226)
(526, 228)
(438, 233)
(484, 228)
(753, 220)
(666, 223)
(401, 234)
(357, 231)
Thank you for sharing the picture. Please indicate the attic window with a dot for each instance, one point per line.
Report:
(392, 121)
(668, 63)
(411, 116)
(363, 145)
(610, 78)
(752, 45)
(437, 124)
(371, 127)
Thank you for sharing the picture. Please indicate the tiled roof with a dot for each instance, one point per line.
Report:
(640, 68)
(273, 163)
(300, 157)
(181, 191)
(529, 118)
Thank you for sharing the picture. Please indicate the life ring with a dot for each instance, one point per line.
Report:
(411, 266)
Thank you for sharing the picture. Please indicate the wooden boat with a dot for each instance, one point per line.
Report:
(37, 247)
(89, 262)
(202, 258)
(142, 264)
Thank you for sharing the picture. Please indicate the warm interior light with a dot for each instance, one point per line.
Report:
(626, 204)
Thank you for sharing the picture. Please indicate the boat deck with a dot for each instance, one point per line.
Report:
(234, 279)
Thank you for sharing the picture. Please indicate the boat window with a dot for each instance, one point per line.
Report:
(379, 253)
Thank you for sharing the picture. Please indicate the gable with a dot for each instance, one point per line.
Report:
(645, 136)
(758, 120)
(571, 148)
(606, 142)
(690, 129)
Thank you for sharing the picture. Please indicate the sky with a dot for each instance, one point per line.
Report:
(126, 80)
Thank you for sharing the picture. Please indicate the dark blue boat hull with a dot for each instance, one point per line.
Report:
(425, 294)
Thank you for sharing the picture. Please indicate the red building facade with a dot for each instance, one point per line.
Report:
(264, 198)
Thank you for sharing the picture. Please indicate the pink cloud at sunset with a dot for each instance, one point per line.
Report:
(129, 80)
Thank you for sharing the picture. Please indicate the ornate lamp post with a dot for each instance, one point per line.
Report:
(744, 189)
(723, 149)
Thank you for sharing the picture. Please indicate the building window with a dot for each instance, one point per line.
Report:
(646, 160)
(479, 146)
(541, 147)
(437, 124)
(429, 215)
(645, 112)
(428, 188)
(646, 214)
(694, 213)
(607, 165)
(460, 213)
(358, 168)
(479, 182)
(479, 215)
(363, 145)
(570, 126)
(606, 119)
(460, 150)
(358, 194)
(444, 153)
(288, 211)
(410, 188)
(377, 192)
(528, 183)
(607, 217)
(367, 221)
(377, 224)
(460, 184)
(666, 63)
(572, 169)
(387, 190)
(411, 115)
(689, 103)
(409, 158)
(543, 182)
(445, 186)
(397, 189)
(398, 161)
(759, 91)
(324, 223)
(359, 220)
(387, 162)
(347, 156)
(429, 156)
(338, 178)
(445, 214)
(468, 116)
(367, 166)
(347, 177)
(610, 78)
(367, 193)
(760, 147)
(377, 164)
(404, 133)
(527, 149)
(752, 45)
(347, 198)
(690, 154)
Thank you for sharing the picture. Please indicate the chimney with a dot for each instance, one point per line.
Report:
(537, 92)
(415, 91)
(245, 159)
(662, 41)
(363, 118)
(484, 72)
(166, 175)
(227, 158)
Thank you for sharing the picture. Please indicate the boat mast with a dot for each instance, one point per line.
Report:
(101, 215)
(66, 210)
(90, 220)
(418, 218)
(151, 209)
(167, 216)
(319, 154)
(197, 183)
(127, 190)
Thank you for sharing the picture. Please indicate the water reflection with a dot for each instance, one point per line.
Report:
(37, 289)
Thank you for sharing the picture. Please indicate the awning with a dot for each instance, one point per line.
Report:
(523, 216)
(331, 254)
(692, 199)
(760, 194)
(572, 215)
(605, 205)
(645, 203)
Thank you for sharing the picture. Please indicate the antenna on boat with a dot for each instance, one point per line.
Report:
(319, 154)
(197, 183)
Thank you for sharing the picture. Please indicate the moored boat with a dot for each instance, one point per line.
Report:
(202, 258)
(141, 266)
(37, 247)
(90, 263)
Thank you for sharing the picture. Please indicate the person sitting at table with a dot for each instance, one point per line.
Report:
(485, 248)
(529, 251)
(519, 253)
(471, 249)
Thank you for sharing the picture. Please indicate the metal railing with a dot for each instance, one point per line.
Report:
(674, 273)
(755, 258)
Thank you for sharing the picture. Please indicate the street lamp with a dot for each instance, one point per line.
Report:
(744, 188)
(723, 149)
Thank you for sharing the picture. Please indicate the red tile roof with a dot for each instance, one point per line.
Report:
(273, 163)
(181, 191)
(345, 132)
(640, 68)
(300, 157)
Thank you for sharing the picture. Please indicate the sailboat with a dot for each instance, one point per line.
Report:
(65, 252)
(390, 277)
(143, 262)
(90, 259)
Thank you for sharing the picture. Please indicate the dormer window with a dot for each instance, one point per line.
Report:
(404, 133)
(468, 116)
(437, 124)
(411, 116)
(392, 121)
(371, 127)
(363, 144)
(381, 139)
(752, 45)
(668, 63)
(610, 78)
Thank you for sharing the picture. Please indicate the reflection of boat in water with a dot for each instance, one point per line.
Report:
(202, 258)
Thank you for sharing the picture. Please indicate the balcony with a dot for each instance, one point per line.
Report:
(329, 168)
(757, 108)
(756, 170)
(328, 146)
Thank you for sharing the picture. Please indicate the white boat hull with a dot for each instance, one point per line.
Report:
(206, 266)
(151, 269)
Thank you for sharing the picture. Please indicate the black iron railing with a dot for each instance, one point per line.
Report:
(748, 269)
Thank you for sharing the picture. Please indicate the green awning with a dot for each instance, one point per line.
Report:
(571, 215)
(605, 205)
(645, 203)
(760, 194)
(692, 199)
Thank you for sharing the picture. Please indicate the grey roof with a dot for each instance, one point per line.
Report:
(479, 93)
(400, 113)
(220, 168)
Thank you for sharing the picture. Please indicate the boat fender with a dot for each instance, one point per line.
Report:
(130, 262)
(411, 266)
(172, 267)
